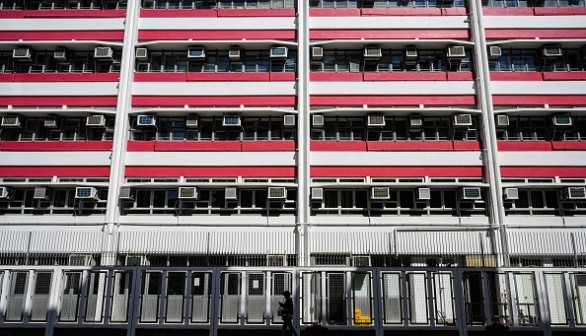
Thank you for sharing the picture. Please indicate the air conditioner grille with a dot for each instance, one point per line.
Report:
(277, 192)
(380, 193)
(376, 120)
(188, 192)
(471, 193)
(317, 194)
(231, 193)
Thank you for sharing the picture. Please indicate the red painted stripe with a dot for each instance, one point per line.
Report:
(210, 146)
(214, 101)
(409, 146)
(12, 14)
(214, 77)
(460, 76)
(101, 35)
(338, 146)
(467, 145)
(334, 12)
(533, 33)
(536, 171)
(524, 146)
(507, 11)
(148, 35)
(326, 34)
(563, 76)
(528, 100)
(257, 12)
(252, 12)
(335, 76)
(516, 76)
(569, 145)
(574, 10)
(66, 146)
(393, 100)
(66, 77)
(405, 76)
(71, 171)
(57, 101)
(414, 11)
(210, 171)
(160, 77)
(76, 13)
(399, 171)
(282, 76)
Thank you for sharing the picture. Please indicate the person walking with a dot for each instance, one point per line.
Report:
(287, 314)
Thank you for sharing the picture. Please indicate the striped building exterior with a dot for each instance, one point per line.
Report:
(402, 167)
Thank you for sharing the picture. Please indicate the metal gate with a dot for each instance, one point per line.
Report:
(336, 298)
(121, 296)
(280, 282)
(391, 290)
(70, 296)
(175, 296)
(443, 286)
(201, 291)
(16, 299)
(150, 295)
(525, 298)
(230, 297)
(95, 296)
(418, 309)
(311, 297)
(361, 298)
(255, 298)
(40, 299)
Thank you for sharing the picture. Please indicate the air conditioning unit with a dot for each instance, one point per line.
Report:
(146, 120)
(494, 52)
(95, 120)
(317, 53)
(10, 121)
(415, 121)
(551, 51)
(375, 120)
(60, 54)
(103, 53)
(142, 54)
(192, 121)
(289, 120)
(317, 120)
(502, 120)
(380, 193)
(230, 120)
(456, 52)
(234, 53)
(187, 193)
(21, 53)
(462, 120)
(411, 53)
(40, 193)
(126, 194)
(561, 120)
(372, 52)
(424, 194)
(81, 260)
(51, 122)
(278, 52)
(471, 193)
(136, 260)
(511, 194)
(231, 193)
(360, 261)
(196, 53)
(87, 193)
(317, 194)
(4, 193)
(574, 193)
(277, 193)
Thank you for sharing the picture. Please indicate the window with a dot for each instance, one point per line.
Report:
(61, 201)
(540, 129)
(69, 129)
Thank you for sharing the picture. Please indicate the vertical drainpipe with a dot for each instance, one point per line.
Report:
(303, 127)
(123, 107)
(490, 150)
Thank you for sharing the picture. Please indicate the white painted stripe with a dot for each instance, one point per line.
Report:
(257, 23)
(353, 242)
(384, 22)
(67, 241)
(538, 87)
(54, 158)
(61, 24)
(214, 89)
(210, 159)
(449, 242)
(539, 242)
(59, 89)
(565, 158)
(535, 22)
(392, 88)
(395, 159)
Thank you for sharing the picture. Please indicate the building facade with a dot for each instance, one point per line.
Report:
(402, 167)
